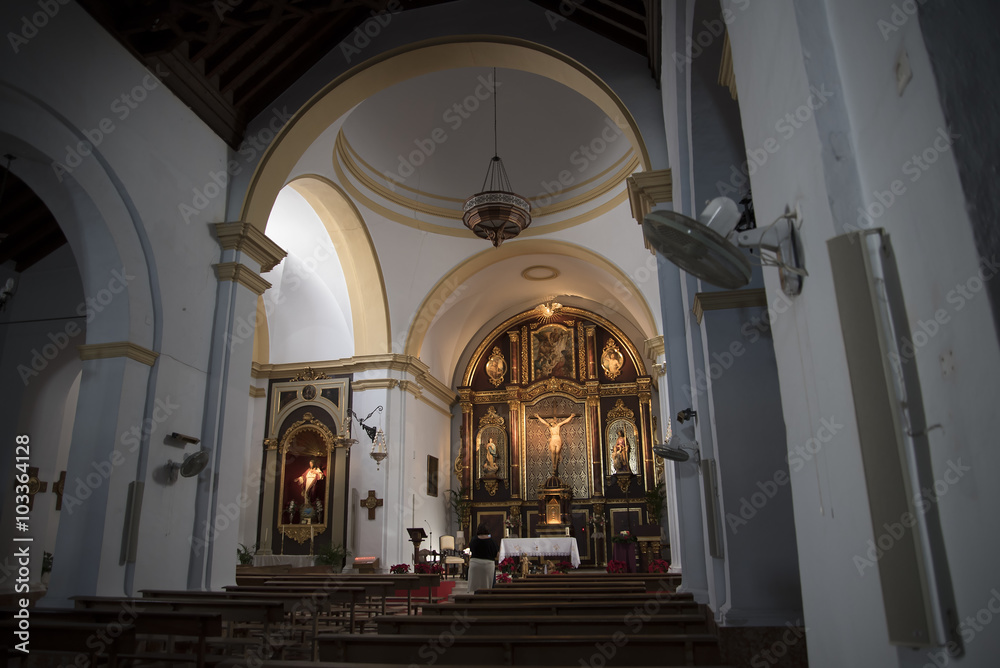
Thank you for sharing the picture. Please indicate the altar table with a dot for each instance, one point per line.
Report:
(293, 560)
(541, 547)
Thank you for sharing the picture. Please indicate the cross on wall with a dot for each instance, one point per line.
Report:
(371, 503)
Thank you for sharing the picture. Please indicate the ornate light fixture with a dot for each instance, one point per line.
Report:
(377, 436)
(496, 213)
(547, 311)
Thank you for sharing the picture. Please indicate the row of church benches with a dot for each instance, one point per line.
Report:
(204, 628)
(565, 621)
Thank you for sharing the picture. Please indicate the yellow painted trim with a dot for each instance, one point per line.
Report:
(246, 238)
(450, 282)
(240, 273)
(258, 392)
(358, 258)
(102, 351)
(366, 363)
(726, 299)
(406, 62)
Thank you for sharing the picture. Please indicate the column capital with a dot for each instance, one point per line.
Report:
(244, 237)
(647, 189)
(239, 273)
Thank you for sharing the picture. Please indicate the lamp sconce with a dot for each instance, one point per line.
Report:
(686, 415)
(376, 435)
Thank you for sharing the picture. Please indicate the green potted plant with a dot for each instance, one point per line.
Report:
(46, 567)
(461, 505)
(332, 555)
(655, 499)
(245, 554)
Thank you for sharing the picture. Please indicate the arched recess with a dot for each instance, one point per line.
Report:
(351, 88)
(362, 272)
(449, 283)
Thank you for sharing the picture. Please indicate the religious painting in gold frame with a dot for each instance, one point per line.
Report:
(305, 455)
(553, 352)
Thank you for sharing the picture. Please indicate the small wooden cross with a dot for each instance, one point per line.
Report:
(34, 485)
(371, 503)
(58, 487)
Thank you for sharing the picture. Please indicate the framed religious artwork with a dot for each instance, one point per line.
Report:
(432, 475)
(553, 352)
(305, 453)
(620, 440)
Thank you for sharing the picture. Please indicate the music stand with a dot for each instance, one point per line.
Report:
(417, 536)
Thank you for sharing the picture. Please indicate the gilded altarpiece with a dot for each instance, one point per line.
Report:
(306, 461)
(576, 375)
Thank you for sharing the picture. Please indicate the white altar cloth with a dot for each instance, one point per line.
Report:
(541, 547)
(294, 560)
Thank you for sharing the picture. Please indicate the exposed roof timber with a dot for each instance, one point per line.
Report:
(229, 59)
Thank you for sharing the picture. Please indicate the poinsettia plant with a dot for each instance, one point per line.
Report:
(399, 568)
(624, 537)
(503, 578)
(615, 566)
(508, 565)
(659, 566)
(429, 568)
(562, 567)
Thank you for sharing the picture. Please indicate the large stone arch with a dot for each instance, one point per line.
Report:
(349, 89)
(438, 296)
(362, 272)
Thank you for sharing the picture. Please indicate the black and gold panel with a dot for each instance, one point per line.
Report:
(558, 398)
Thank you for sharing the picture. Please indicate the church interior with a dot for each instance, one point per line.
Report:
(292, 278)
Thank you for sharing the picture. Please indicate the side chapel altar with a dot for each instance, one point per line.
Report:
(557, 434)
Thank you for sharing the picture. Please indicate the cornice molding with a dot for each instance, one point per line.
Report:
(423, 382)
(647, 189)
(245, 238)
(653, 348)
(258, 392)
(239, 273)
(101, 351)
(727, 76)
(725, 299)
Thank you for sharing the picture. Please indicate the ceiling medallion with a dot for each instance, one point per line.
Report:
(496, 213)
(539, 272)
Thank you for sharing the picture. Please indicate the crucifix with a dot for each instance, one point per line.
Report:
(371, 503)
(34, 485)
(555, 438)
(57, 488)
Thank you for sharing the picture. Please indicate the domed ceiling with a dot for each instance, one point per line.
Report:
(427, 143)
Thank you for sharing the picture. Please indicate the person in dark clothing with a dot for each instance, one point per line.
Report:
(482, 563)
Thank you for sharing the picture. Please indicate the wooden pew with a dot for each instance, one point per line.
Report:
(59, 636)
(554, 590)
(376, 587)
(429, 580)
(471, 650)
(493, 607)
(579, 597)
(148, 624)
(326, 596)
(264, 612)
(633, 623)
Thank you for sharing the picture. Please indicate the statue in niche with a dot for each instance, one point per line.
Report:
(490, 466)
(555, 439)
(619, 455)
(308, 480)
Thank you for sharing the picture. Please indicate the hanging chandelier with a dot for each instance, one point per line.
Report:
(496, 213)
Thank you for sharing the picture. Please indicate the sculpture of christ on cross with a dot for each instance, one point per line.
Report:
(555, 439)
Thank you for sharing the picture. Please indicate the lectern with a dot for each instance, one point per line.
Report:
(417, 536)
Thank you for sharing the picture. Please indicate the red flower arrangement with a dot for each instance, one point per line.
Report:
(399, 568)
(615, 566)
(429, 568)
(503, 578)
(508, 565)
(562, 567)
(659, 566)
